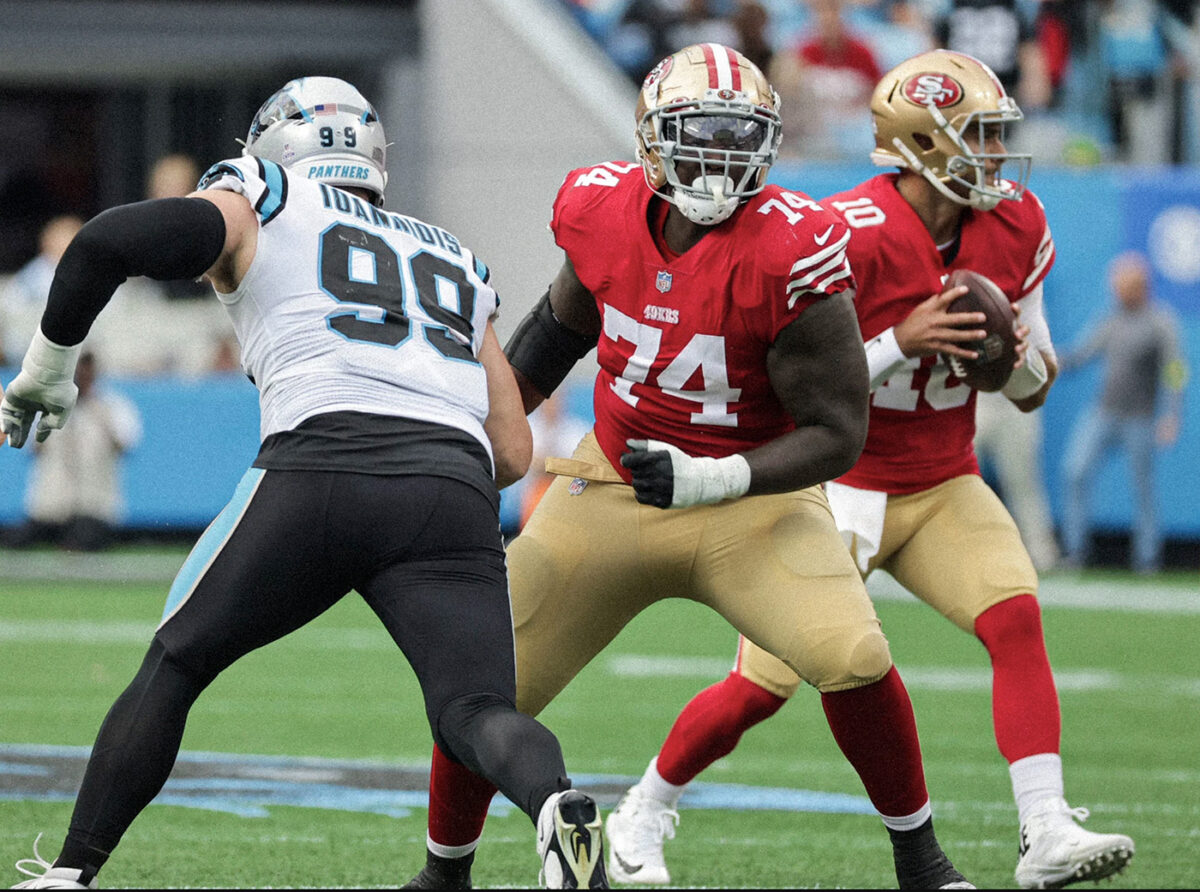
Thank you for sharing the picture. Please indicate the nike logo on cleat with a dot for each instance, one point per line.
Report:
(579, 843)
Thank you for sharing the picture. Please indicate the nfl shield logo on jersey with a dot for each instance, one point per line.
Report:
(663, 282)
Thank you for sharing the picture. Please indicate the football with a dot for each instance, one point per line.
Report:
(998, 350)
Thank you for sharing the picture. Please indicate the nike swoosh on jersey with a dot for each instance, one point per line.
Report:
(823, 237)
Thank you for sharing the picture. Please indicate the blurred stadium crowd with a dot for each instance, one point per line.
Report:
(1099, 80)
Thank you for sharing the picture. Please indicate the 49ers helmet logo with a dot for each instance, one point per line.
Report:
(932, 86)
(658, 72)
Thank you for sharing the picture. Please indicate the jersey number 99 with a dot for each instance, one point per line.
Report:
(359, 267)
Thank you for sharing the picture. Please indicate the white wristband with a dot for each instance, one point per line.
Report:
(884, 356)
(49, 363)
(711, 480)
(1029, 378)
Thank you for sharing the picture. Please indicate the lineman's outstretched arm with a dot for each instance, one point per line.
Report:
(818, 370)
(169, 238)
(556, 334)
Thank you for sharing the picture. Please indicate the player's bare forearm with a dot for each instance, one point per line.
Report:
(506, 425)
(531, 397)
(818, 369)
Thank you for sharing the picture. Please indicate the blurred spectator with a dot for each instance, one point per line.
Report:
(175, 327)
(1142, 72)
(646, 31)
(1054, 28)
(74, 495)
(902, 30)
(23, 298)
(825, 83)
(752, 23)
(996, 33)
(1009, 443)
(1139, 344)
(700, 21)
(650, 30)
(172, 176)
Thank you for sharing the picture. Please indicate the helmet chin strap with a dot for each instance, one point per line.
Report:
(707, 209)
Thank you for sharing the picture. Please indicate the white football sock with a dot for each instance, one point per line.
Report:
(1034, 780)
(450, 851)
(653, 785)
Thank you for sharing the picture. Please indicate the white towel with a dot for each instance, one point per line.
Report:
(858, 514)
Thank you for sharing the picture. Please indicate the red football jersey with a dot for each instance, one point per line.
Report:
(922, 423)
(684, 343)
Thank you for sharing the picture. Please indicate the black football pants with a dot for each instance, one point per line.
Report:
(424, 552)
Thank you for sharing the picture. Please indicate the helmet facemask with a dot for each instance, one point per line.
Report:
(726, 148)
(924, 112)
(967, 167)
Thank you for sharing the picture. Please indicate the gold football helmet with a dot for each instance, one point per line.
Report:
(709, 109)
(922, 110)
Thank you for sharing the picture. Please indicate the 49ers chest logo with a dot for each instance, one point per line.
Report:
(932, 87)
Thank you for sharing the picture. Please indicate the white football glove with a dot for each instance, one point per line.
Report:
(46, 384)
(667, 477)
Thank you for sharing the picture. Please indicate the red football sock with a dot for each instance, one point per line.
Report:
(1025, 708)
(458, 802)
(876, 730)
(710, 726)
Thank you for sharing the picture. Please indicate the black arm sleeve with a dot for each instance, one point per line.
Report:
(167, 238)
(544, 350)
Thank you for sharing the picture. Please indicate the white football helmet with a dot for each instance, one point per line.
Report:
(921, 111)
(323, 129)
(708, 106)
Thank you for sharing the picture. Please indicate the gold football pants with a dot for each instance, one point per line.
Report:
(954, 546)
(591, 558)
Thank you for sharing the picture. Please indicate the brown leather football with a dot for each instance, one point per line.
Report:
(998, 350)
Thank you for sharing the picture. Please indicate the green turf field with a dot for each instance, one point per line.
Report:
(1125, 657)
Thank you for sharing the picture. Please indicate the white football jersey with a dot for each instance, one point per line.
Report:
(347, 307)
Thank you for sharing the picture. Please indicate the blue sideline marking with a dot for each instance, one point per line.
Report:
(249, 786)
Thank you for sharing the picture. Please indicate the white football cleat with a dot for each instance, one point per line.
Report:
(1056, 851)
(46, 876)
(636, 829)
(570, 843)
